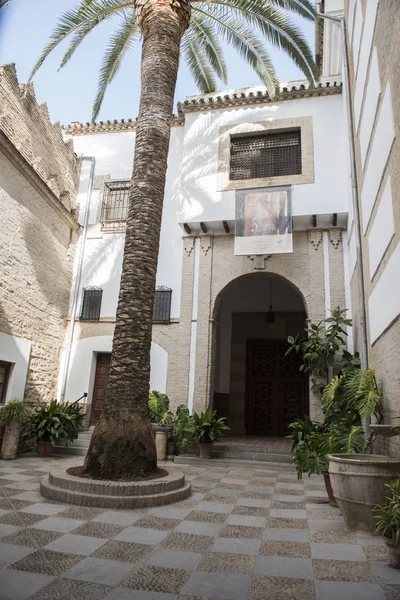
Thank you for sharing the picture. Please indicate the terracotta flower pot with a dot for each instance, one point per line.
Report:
(205, 450)
(394, 552)
(358, 485)
(45, 449)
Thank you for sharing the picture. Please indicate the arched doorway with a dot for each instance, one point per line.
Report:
(256, 386)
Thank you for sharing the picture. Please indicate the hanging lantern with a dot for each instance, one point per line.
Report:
(270, 313)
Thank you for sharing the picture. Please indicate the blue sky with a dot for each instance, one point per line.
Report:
(25, 27)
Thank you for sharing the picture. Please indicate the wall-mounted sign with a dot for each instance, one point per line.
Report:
(264, 221)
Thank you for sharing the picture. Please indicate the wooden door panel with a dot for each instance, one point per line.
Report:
(276, 390)
(100, 385)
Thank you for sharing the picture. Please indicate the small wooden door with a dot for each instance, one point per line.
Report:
(276, 390)
(100, 384)
(5, 368)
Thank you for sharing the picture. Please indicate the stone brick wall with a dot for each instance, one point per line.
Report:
(39, 174)
(383, 352)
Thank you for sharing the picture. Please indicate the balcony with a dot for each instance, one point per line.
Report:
(114, 208)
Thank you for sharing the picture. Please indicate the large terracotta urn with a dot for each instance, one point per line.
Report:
(358, 485)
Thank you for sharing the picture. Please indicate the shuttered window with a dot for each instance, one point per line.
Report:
(162, 304)
(265, 155)
(91, 304)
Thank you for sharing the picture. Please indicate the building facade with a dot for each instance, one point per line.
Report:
(373, 33)
(213, 342)
(39, 175)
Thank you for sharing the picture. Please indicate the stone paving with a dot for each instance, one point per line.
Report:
(242, 535)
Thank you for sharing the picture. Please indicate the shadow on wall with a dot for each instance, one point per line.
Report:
(10, 352)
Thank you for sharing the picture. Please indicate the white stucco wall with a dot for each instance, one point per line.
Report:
(329, 194)
(83, 366)
(15, 351)
(104, 251)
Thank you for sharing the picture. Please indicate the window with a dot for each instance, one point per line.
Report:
(162, 304)
(115, 203)
(91, 304)
(5, 368)
(265, 155)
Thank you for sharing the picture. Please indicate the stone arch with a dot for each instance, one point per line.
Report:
(240, 331)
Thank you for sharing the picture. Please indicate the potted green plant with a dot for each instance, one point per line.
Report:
(205, 429)
(388, 517)
(14, 414)
(162, 421)
(180, 424)
(51, 422)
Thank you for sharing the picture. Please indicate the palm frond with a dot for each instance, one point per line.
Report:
(4, 3)
(76, 19)
(197, 62)
(208, 39)
(120, 42)
(79, 36)
(275, 25)
(246, 43)
(304, 8)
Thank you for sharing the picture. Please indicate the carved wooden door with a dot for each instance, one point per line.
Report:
(99, 389)
(276, 390)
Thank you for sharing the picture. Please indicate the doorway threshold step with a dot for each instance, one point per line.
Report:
(230, 463)
(239, 448)
(256, 456)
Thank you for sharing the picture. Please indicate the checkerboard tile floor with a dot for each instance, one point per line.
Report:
(242, 535)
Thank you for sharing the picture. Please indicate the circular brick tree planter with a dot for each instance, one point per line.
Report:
(63, 487)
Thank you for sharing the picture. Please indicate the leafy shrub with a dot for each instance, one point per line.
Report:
(388, 513)
(54, 421)
(205, 428)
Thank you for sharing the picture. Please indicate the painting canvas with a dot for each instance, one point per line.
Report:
(263, 221)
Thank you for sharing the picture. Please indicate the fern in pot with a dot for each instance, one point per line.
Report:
(14, 414)
(205, 429)
(388, 521)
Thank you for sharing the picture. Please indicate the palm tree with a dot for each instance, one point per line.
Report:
(122, 444)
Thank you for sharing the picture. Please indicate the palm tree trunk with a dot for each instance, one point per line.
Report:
(122, 445)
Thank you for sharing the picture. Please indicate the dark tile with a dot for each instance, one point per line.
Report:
(206, 517)
(292, 549)
(392, 592)
(157, 579)
(21, 519)
(327, 515)
(288, 505)
(124, 551)
(5, 482)
(151, 522)
(240, 531)
(376, 552)
(187, 541)
(12, 504)
(68, 589)
(281, 523)
(231, 486)
(234, 563)
(219, 499)
(35, 538)
(100, 530)
(253, 511)
(256, 495)
(281, 588)
(341, 570)
(333, 537)
(46, 562)
(85, 513)
(8, 492)
(288, 492)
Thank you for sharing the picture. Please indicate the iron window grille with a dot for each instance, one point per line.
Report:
(114, 208)
(265, 155)
(162, 304)
(91, 303)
